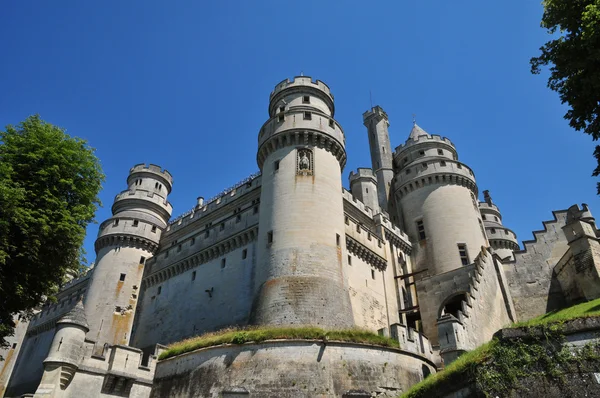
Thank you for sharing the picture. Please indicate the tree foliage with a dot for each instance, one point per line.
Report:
(574, 60)
(49, 185)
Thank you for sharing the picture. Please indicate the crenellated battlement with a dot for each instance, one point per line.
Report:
(152, 168)
(216, 202)
(422, 139)
(376, 111)
(362, 173)
(299, 81)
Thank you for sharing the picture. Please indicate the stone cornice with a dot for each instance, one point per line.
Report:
(365, 253)
(293, 137)
(201, 257)
(392, 237)
(123, 239)
(437, 178)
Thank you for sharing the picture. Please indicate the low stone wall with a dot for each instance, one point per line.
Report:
(290, 368)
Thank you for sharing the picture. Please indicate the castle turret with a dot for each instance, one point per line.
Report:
(65, 354)
(377, 123)
(301, 241)
(124, 242)
(363, 185)
(437, 195)
(502, 240)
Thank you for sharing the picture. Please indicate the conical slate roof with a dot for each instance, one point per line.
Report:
(76, 316)
(416, 132)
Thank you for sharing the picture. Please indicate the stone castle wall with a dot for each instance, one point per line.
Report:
(290, 368)
(530, 281)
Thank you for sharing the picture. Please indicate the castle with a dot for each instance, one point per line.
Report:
(408, 252)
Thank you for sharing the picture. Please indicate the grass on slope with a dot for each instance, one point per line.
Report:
(258, 334)
(468, 362)
(583, 310)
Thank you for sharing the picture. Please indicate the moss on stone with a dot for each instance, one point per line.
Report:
(496, 368)
(259, 334)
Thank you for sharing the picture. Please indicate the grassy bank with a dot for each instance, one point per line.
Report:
(258, 334)
(497, 365)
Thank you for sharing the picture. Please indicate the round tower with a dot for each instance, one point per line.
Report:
(437, 196)
(503, 241)
(363, 185)
(67, 349)
(124, 242)
(301, 241)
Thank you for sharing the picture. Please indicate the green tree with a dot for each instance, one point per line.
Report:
(574, 59)
(49, 185)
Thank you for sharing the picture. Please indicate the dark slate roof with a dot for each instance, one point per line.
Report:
(76, 316)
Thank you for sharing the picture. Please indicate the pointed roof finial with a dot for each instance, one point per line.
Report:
(301, 73)
(414, 119)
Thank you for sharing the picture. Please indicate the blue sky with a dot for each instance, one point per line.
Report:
(185, 84)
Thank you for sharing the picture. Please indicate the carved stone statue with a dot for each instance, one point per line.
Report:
(304, 162)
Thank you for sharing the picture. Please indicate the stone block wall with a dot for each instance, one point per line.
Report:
(530, 276)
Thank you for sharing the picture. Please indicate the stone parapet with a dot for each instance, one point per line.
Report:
(291, 368)
(153, 169)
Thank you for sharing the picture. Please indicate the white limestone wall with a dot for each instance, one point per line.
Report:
(450, 218)
(300, 274)
(110, 302)
(28, 368)
(367, 295)
(184, 308)
(296, 100)
(11, 353)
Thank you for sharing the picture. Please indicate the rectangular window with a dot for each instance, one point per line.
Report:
(223, 262)
(270, 237)
(166, 253)
(462, 252)
(459, 165)
(244, 254)
(483, 216)
(115, 222)
(306, 99)
(207, 233)
(159, 290)
(331, 123)
(424, 165)
(372, 274)
(122, 277)
(135, 223)
(421, 153)
(421, 230)
(407, 171)
(14, 345)
(493, 230)
(282, 109)
(281, 117)
(238, 218)
(337, 239)
(443, 163)
(154, 228)
(142, 260)
(193, 241)
(307, 116)
(255, 209)
(349, 259)
(194, 275)
(440, 152)
(347, 220)
(276, 165)
(222, 226)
